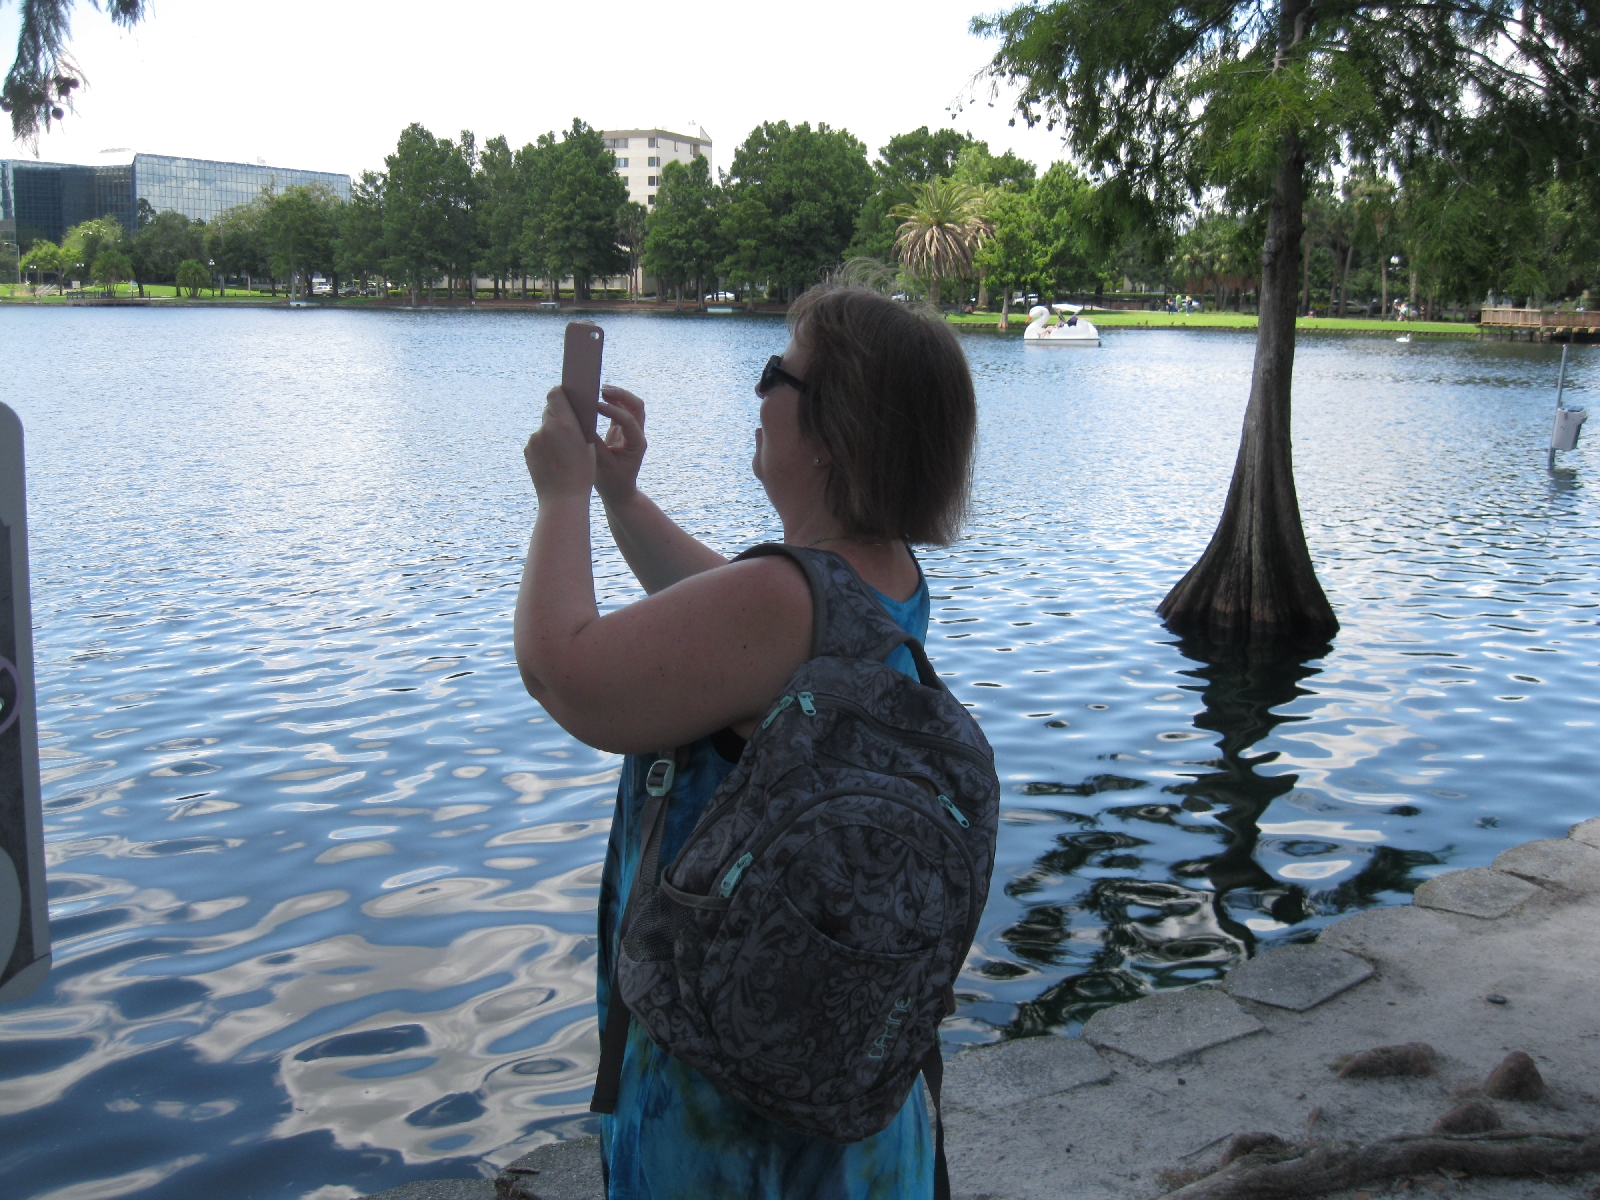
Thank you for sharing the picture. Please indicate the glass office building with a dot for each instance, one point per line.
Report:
(44, 200)
(200, 189)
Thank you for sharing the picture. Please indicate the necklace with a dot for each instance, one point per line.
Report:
(842, 537)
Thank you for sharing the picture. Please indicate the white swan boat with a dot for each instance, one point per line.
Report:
(1069, 329)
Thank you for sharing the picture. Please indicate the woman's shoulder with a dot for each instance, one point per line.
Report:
(775, 579)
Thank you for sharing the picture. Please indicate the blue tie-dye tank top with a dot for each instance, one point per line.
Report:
(674, 1136)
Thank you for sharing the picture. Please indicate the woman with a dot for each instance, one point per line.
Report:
(864, 446)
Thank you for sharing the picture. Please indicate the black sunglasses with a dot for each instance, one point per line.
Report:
(773, 374)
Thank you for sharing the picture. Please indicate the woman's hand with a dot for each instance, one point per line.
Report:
(560, 459)
(617, 458)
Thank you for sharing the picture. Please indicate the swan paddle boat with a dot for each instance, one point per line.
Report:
(1068, 329)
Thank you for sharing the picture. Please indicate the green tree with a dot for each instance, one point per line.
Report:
(163, 242)
(1170, 98)
(632, 219)
(463, 243)
(111, 267)
(299, 229)
(920, 156)
(571, 221)
(192, 276)
(683, 240)
(794, 195)
(501, 205)
(1216, 255)
(361, 250)
(980, 169)
(940, 228)
(1014, 257)
(417, 210)
(83, 244)
(234, 243)
(1064, 204)
(42, 257)
(536, 167)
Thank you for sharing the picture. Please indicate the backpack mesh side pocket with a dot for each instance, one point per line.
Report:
(654, 929)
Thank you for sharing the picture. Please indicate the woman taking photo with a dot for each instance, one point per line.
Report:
(864, 447)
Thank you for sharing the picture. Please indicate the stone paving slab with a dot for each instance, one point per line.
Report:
(1170, 1025)
(439, 1189)
(1477, 892)
(1563, 862)
(1390, 936)
(1297, 977)
(1587, 832)
(987, 1078)
(567, 1170)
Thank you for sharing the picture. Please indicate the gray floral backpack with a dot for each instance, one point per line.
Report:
(803, 948)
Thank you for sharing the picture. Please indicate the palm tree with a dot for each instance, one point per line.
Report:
(940, 229)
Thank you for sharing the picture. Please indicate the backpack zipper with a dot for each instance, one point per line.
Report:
(950, 807)
(776, 709)
(931, 740)
(731, 880)
(807, 705)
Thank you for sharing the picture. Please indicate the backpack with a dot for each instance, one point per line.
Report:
(802, 949)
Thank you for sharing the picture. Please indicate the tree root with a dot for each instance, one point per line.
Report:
(1280, 1171)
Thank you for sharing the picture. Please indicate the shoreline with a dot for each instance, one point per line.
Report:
(1108, 320)
(1484, 962)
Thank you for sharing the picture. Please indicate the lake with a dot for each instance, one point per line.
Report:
(323, 877)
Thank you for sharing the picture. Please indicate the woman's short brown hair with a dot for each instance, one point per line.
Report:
(889, 396)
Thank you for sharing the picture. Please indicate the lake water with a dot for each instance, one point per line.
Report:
(323, 877)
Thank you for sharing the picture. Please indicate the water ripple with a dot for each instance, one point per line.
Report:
(323, 878)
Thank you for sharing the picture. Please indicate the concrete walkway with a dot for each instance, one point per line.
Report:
(1485, 962)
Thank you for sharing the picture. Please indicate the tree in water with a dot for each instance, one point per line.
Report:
(1171, 98)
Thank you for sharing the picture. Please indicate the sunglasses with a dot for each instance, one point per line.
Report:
(773, 374)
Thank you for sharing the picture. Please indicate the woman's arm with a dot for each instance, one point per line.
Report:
(709, 651)
(658, 551)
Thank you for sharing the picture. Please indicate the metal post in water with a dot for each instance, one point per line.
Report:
(24, 923)
(1568, 422)
(1561, 383)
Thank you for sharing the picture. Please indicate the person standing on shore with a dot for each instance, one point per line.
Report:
(865, 445)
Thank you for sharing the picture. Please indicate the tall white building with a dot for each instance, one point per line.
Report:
(642, 153)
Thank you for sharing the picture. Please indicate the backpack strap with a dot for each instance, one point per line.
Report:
(847, 620)
(933, 1072)
(652, 825)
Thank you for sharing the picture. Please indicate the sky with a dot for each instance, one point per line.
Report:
(327, 85)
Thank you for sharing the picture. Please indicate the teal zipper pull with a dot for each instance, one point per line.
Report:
(776, 709)
(807, 704)
(731, 879)
(949, 807)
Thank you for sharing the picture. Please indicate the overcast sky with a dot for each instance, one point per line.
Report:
(328, 84)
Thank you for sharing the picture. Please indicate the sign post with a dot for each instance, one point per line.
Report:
(24, 918)
(1564, 434)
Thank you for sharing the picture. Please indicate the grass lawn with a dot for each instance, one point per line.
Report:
(152, 291)
(1227, 320)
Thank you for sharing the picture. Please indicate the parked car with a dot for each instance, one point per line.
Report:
(720, 297)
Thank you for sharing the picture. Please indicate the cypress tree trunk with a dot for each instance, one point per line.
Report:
(1305, 268)
(1255, 581)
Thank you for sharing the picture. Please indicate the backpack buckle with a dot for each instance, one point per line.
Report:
(658, 782)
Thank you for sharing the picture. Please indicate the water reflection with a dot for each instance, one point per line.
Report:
(1209, 914)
